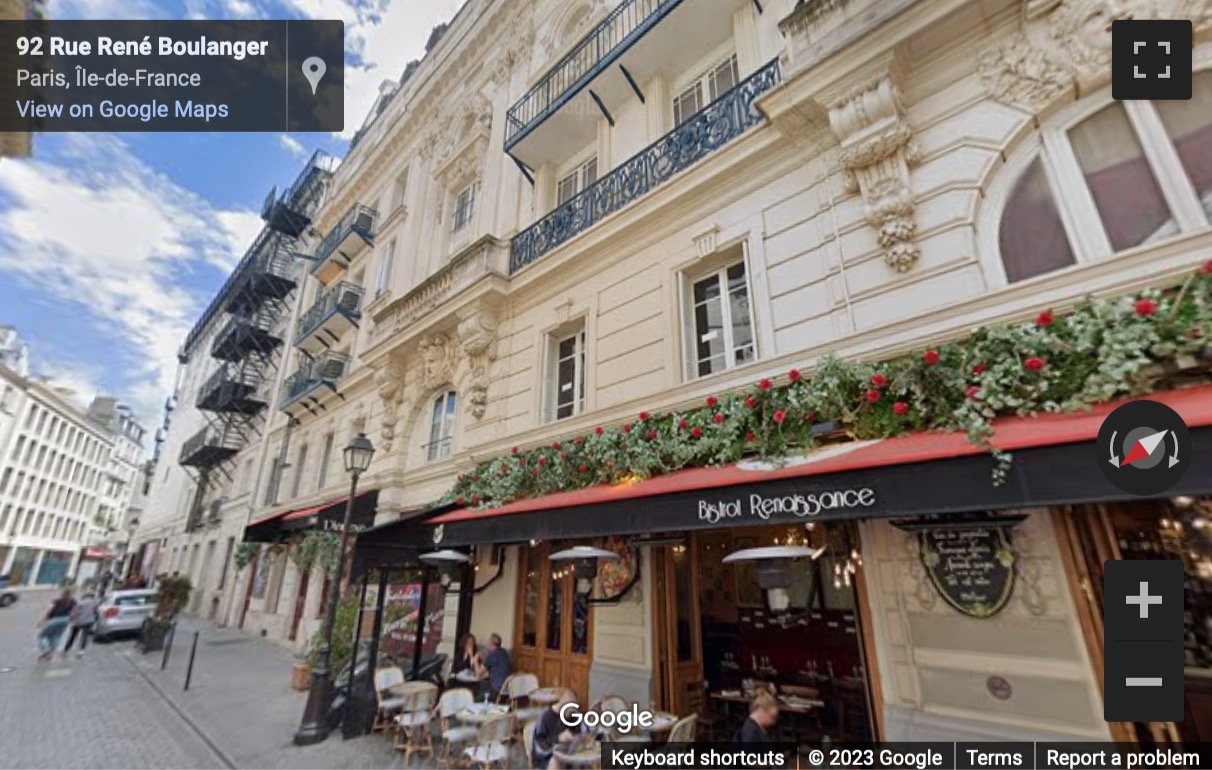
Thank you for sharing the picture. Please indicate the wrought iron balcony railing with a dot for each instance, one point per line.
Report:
(326, 369)
(358, 221)
(711, 128)
(231, 388)
(344, 298)
(596, 51)
(209, 447)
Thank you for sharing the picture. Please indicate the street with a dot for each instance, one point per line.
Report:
(115, 707)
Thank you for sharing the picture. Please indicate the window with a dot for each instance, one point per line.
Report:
(1126, 175)
(441, 427)
(325, 461)
(297, 483)
(721, 322)
(399, 190)
(566, 380)
(8, 401)
(705, 89)
(383, 279)
(465, 204)
(576, 181)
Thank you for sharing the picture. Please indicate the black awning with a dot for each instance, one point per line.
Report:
(1064, 474)
(383, 546)
(328, 517)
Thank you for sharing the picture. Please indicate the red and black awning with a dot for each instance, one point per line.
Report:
(329, 516)
(1054, 463)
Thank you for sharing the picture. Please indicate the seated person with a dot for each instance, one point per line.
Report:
(494, 661)
(465, 656)
(551, 734)
(763, 716)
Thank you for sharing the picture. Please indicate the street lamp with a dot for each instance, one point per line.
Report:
(315, 725)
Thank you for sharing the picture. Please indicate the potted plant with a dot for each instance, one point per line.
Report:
(171, 596)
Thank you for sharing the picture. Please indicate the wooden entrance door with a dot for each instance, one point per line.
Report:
(300, 603)
(677, 629)
(554, 627)
(1087, 539)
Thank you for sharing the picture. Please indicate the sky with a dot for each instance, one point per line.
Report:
(111, 245)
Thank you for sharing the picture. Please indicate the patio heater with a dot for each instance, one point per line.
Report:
(584, 560)
(773, 574)
(448, 561)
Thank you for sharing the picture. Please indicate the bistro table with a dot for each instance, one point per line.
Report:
(545, 696)
(589, 756)
(479, 713)
(467, 676)
(662, 721)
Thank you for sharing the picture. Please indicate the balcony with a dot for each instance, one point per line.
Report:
(337, 310)
(290, 213)
(354, 233)
(711, 128)
(232, 390)
(267, 272)
(209, 447)
(558, 116)
(320, 374)
(245, 335)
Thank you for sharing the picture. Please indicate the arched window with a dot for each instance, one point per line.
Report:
(1126, 175)
(441, 427)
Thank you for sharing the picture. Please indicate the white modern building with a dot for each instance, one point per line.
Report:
(122, 495)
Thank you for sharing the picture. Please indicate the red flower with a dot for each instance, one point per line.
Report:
(779, 416)
(583, 468)
(652, 434)
(697, 432)
(459, 501)
(900, 407)
(542, 460)
(972, 391)
(750, 402)
(563, 455)
(795, 375)
(598, 430)
(475, 478)
(879, 380)
(514, 450)
(930, 357)
(718, 417)
(1145, 307)
(750, 438)
(1207, 268)
(765, 384)
(712, 400)
(475, 498)
(682, 424)
(979, 369)
(873, 396)
(535, 472)
(579, 440)
(627, 428)
(555, 445)
(643, 416)
(810, 417)
(1035, 364)
(1044, 319)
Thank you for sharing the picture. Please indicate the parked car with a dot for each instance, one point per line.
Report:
(6, 597)
(123, 612)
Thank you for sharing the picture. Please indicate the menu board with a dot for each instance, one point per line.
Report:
(972, 568)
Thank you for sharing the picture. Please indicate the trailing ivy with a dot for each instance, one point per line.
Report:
(315, 547)
(245, 554)
(1103, 349)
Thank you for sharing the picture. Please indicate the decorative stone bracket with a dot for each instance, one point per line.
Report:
(478, 335)
(390, 383)
(877, 149)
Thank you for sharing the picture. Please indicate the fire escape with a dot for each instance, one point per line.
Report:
(251, 312)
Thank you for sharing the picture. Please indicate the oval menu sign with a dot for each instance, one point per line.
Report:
(971, 568)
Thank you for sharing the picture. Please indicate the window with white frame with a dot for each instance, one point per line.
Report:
(566, 375)
(1128, 174)
(576, 181)
(441, 427)
(721, 322)
(465, 205)
(705, 89)
(383, 277)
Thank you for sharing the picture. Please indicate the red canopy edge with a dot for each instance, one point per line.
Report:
(1193, 404)
(297, 513)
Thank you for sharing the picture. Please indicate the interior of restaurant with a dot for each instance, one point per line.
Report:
(788, 626)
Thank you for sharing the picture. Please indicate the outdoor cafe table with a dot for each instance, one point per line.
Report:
(479, 713)
(587, 757)
(545, 696)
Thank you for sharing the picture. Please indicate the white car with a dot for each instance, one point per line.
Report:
(123, 612)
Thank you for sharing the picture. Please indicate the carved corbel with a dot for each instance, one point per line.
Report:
(389, 381)
(437, 360)
(478, 337)
(877, 149)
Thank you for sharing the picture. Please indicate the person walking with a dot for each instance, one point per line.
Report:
(53, 623)
(82, 619)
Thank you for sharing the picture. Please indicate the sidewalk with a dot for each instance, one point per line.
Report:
(241, 703)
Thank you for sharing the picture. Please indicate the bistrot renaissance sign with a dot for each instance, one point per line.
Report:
(764, 507)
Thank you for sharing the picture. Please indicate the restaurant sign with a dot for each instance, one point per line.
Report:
(763, 507)
(972, 568)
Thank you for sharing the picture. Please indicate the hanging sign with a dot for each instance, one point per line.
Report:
(972, 568)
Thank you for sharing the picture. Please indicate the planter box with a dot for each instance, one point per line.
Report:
(300, 676)
(153, 636)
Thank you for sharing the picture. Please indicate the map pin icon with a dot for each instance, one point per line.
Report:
(313, 70)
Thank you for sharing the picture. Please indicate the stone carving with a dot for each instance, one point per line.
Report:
(877, 149)
(1064, 45)
(437, 360)
(389, 381)
(478, 336)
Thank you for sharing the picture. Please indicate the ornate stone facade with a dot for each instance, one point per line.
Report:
(877, 149)
(478, 336)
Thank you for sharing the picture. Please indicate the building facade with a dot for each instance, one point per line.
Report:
(569, 216)
(123, 488)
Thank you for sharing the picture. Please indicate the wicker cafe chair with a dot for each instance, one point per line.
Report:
(492, 742)
(614, 704)
(683, 730)
(506, 687)
(412, 724)
(528, 740)
(518, 690)
(389, 703)
(453, 734)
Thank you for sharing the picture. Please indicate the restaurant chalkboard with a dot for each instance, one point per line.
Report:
(972, 568)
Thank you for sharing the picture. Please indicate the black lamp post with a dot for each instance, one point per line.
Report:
(315, 725)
